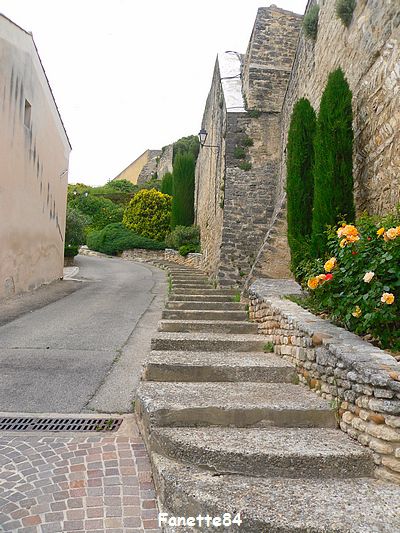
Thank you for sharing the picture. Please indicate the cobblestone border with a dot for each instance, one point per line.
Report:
(362, 381)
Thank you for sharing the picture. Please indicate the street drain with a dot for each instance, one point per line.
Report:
(59, 424)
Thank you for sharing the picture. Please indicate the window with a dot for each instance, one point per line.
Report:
(27, 114)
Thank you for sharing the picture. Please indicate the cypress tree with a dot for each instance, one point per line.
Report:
(333, 176)
(300, 181)
(183, 190)
(166, 184)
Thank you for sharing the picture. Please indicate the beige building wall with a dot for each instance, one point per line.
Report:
(34, 152)
(131, 173)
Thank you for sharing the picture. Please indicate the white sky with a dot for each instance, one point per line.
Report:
(129, 75)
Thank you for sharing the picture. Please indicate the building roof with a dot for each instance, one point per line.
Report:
(230, 67)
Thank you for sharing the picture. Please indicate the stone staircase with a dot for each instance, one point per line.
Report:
(229, 430)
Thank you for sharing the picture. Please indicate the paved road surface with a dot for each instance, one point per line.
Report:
(84, 351)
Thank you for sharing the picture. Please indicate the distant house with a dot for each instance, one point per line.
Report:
(150, 163)
(34, 153)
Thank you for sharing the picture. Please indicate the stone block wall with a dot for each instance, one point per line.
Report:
(193, 260)
(269, 58)
(368, 51)
(150, 168)
(361, 381)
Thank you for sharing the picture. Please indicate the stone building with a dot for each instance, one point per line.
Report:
(242, 213)
(34, 154)
(148, 164)
(236, 183)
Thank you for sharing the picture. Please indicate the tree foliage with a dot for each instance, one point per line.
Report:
(166, 184)
(183, 190)
(186, 145)
(75, 227)
(333, 177)
(149, 214)
(102, 211)
(300, 181)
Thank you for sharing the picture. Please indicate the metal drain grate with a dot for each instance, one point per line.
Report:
(59, 424)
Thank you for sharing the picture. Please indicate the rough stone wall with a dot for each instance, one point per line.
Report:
(368, 51)
(193, 260)
(165, 161)
(362, 381)
(269, 58)
(150, 168)
(249, 195)
(210, 177)
(235, 207)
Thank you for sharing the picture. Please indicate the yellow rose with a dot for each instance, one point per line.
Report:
(312, 283)
(398, 231)
(343, 243)
(340, 231)
(330, 264)
(321, 277)
(368, 276)
(387, 298)
(391, 233)
(380, 231)
(357, 312)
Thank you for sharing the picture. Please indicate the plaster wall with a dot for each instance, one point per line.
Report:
(34, 152)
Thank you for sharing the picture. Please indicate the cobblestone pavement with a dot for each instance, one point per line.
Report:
(96, 483)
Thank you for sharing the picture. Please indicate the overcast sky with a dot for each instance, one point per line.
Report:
(129, 75)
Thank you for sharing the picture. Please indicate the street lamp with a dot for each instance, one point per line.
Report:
(202, 135)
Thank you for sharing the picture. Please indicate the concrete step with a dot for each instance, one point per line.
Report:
(200, 297)
(215, 326)
(266, 452)
(201, 314)
(278, 505)
(217, 306)
(230, 404)
(218, 366)
(190, 281)
(190, 285)
(206, 291)
(207, 342)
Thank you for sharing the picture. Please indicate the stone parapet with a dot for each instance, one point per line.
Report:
(193, 260)
(361, 380)
(141, 254)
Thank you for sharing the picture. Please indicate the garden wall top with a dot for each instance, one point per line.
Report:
(366, 363)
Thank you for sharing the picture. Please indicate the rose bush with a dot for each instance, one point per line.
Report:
(359, 285)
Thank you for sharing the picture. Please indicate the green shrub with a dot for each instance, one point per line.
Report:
(149, 214)
(183, 190)
(247, 141)
(310, 22)
(245, 165)
(75, 226)
(366, 267)
(254, 113)
(116, 238)
(239, 152)
(300, 181)
(189, 249)
(166, 184)
(71, 250)
(333, 177)
(182, 235)
(344, 10)
(101, 211)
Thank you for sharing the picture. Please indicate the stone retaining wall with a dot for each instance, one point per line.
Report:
(192, 260)
(140, 254)
(362, 381)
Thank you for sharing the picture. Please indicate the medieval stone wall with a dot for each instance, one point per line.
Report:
(368, 51)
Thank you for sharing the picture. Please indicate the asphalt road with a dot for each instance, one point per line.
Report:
(84, 351)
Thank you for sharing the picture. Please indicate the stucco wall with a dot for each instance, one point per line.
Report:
(368, 51)
(131, 172)
(33, 161)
